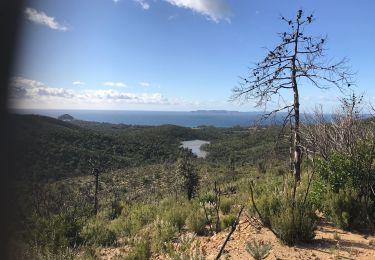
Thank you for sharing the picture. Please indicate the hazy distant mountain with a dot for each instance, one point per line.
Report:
(66, 117)
(214, 111)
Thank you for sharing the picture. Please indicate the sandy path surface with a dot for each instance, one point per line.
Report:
(324, 246)
(347, 245)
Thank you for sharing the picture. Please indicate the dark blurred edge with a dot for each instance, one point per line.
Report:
(10, 15)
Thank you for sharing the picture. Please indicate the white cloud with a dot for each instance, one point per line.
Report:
(143, 3)
(42, 18)
(27, 88)
(145, 84)
(52, 92)
(78, 83)
(110, 95)
(27, 93)
(214, 10)
(114, 84)
(26, 83)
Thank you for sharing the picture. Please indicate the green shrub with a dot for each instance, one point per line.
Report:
(225, 205)
(227, 221)
(292, 223)
(196, 222)
(294, 226)
(188, 248)
(161, 233)
(341, 170)
(58, 231)
(176, 216)
(97, 232)
(134, 218)
(318, 193)
(349, 179)
(140, 251)
(35, 252)
(208, 197)
(348, 211)
(257, 250)
(268, 205)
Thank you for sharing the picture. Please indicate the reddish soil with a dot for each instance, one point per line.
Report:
(347, 245)
(329, 243)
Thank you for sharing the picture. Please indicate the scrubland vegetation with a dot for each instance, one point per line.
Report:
(159, 208)
(86, 186)
(147, 206)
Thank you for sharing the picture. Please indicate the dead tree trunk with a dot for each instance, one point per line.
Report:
(95, 172)
(297, 137)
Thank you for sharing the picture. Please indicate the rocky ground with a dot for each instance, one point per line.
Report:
(329, 243)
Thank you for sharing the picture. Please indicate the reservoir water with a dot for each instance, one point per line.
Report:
(195, 147)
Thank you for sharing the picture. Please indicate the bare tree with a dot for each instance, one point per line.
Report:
(95, 171)
(339, 132)
(299, 60)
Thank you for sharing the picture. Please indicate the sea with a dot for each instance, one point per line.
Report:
(154, 118)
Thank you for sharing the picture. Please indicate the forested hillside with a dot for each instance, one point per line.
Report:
(49, 148)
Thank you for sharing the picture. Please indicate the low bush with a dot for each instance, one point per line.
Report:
(176, 216)
(133, 218)
(188, 248)
(292, 222)
(318, 193)
(175, 212)
(257, 250)
(35, 252)
(348, 211)
(140, 251)
(196, 222)
(227, 221)
(226, 205)
(161, 233)
(208, 197)
(97, 232)
(269, 205)
(349, 180)
(57, 231)
(294, 225)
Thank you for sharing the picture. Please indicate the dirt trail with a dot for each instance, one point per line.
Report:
(347, 245)
(324, 246)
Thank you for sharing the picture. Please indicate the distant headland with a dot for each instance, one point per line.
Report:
(66, 117)
(215, 111)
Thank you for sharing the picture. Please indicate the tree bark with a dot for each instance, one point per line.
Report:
(296, 128)
(96, 174)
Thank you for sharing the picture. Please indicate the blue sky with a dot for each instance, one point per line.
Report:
(172, 54)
